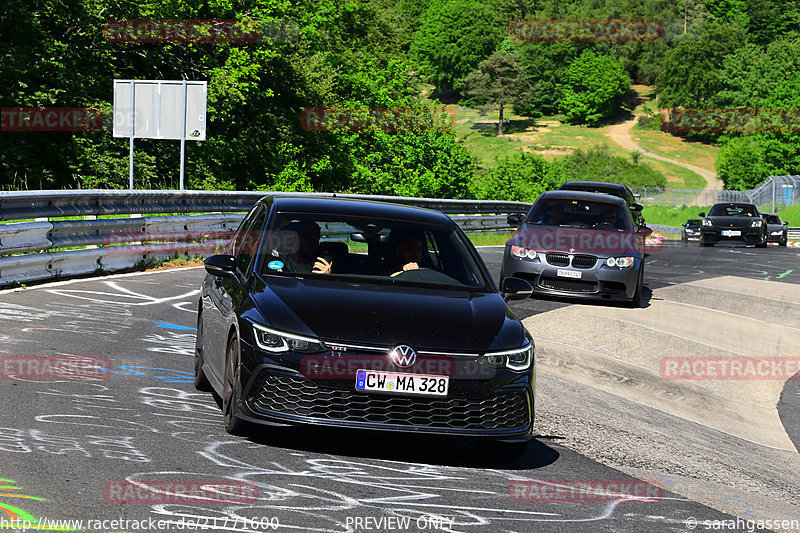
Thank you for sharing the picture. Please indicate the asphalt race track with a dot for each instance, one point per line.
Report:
(66, 444)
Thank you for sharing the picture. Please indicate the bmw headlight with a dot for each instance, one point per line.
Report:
(517, 359)
(707, 222)
(621, 262)
(757, 223)
(276, 341)
(524, 253)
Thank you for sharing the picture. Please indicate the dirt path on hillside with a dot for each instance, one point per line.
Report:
(621, 134)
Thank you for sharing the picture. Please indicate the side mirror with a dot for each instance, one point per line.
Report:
(515, 289)
(223, 266)
(515, 219)
(785, 223)
(637, 207)
(702, 215)
(644, 231)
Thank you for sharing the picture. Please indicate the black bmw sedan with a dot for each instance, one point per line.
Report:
(733, 222)
(361, 314)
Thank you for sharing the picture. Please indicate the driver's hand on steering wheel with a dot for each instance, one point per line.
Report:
(407, 266)
(322, 266)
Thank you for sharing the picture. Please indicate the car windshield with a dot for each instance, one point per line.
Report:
(773, 219)
(579, 214)
(597, 190)
(693, 221)
(370, 249)
(733, 210)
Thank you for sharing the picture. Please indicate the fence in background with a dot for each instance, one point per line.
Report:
(777, 191)
(33, 250)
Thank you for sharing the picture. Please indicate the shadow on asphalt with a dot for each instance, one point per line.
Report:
(424, 449)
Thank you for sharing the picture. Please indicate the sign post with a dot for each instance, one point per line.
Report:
(160, 109)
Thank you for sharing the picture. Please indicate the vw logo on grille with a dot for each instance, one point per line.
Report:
(403, 356)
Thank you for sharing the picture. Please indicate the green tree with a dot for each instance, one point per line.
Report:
(740, 164)
(454, 37)
(594, 88)
(498, 81)
(692, 75)
(597, 164)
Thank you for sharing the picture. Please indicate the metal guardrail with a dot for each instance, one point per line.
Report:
(793, 234)
(32, 250)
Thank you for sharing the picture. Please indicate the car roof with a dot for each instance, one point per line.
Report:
(580, 195)
(737, 204)
(354, 207)
(595, 184)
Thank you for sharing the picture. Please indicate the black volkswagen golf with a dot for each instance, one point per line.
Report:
(361, 314)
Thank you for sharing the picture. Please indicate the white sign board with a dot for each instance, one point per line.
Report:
(157, 109)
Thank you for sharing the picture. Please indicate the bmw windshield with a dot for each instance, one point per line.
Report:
(370, 249)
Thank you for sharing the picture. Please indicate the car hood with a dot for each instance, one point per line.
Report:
(732, 222)
(388, 315)
(598, 242)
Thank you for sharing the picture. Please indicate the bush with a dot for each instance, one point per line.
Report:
(597, 164)
(519, 176)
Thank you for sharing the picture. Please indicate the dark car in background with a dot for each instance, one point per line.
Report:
(777, 230)
(578, 245)
(733, 222)
(614, 189)
(366, 315)
(691, 230)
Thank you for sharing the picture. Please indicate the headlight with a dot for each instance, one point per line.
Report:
(757, 223)
(524, 253)
(621, 262)
(278, 341)
(707, 222)
(518, 359)
(776, 233)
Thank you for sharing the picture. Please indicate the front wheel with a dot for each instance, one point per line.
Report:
(783, 241)
(231, 391)
(201, 382)
(763, 243)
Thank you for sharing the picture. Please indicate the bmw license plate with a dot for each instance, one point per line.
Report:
(569, 273)
(401, 383)
(731, 233)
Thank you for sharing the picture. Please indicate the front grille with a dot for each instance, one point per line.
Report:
(584, 261)
(295, 396)
(557, 259)
(568, 285)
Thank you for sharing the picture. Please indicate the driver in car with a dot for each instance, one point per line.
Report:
(408, 249)
(305, 258)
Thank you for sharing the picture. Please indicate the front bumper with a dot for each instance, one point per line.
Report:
(780, 237)
(597, 282)
(484, 407)
(746, 235)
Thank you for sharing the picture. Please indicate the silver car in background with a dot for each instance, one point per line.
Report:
(578, 245)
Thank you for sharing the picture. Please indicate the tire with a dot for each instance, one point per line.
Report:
(231, 391)
(201, 382)
(763, 243)
(636, 301)
(783, 242)
(703, 243)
